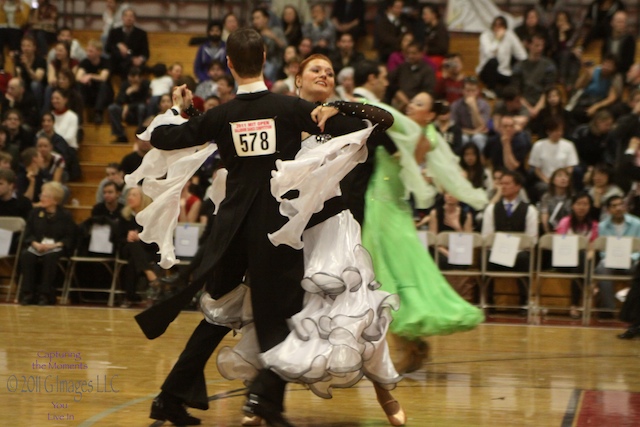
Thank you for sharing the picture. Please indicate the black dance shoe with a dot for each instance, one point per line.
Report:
(256, 405)
(629, 334)
(171, 409)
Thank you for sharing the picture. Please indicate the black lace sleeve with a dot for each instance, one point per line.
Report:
(376, 115)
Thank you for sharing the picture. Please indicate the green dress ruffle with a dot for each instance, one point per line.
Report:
(428, 304)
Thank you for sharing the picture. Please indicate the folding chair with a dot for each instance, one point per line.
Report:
(545, 245)
(106, 260)
(473, 270)
(600, 245)
(14, 225)
(526, 244)
(430, 239)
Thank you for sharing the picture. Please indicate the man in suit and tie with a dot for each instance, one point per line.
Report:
(127, 46)
(511, 214)
(389, 28)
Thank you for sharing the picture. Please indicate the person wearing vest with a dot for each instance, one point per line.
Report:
(511, 214)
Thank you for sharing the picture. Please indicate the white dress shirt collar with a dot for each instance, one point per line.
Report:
(252, 88)
(366, 94)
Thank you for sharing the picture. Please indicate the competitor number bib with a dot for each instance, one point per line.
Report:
(254, 137)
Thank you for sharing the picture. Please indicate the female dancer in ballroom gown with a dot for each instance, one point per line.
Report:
(429, 306)
(339, 336)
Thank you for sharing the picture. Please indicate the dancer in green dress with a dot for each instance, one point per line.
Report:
(428, 304)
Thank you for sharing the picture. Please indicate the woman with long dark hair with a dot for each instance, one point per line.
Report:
(471, 164)
(579, 222)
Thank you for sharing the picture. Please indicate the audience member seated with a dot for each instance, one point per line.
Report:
(346, 84)
(291, 25)
(498, 46)
(21, 99)
(14, 18)
(601, 86)
(494, 193)
(49, 235)
(9, 155)
(209, 87)
(320, 30)
(563, 37)
(127, 46)
(508, 148)
(592, 141)
(410, 78)
(67, 83)
(60, 146)
(620, 44)
(432, 32)
(555, 203)
(53, 166)
(553, 109)
(76, 51)
(229, 25)
(550, 154)
(618, 224)
(601, 188)
(348, 16)
(130, 104)
(131, 161)
(93, 78)
(61, 61)
(31, 67)
(449, 85)
(66, 121)
(472, 114)
(190, 204)
(534, 75)
(277, 8)
(287, 85)
(140, 255)
(226, 88)
(214, 49)
(274, 41)
(510, 214)
(12, 203)
(112, 17)
(19, 137)
(580, 222)
(450, 131)
(449, 216)
(389, 27)
(110, 206)
(30, 176)
(161, 84)
(626, 127)
(115, 175)
(530, 26)
(305, 48)
(43, 23)
(345, 55)
(471, 164)
(511, 104)
(596, 24)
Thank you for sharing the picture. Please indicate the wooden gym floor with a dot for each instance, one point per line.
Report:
(104, 372)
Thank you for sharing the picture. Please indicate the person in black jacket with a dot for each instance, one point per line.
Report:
(130, 105)
(127, 46)
(49, 235)
(252, 131)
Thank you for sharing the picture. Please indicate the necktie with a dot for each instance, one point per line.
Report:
(509, 209)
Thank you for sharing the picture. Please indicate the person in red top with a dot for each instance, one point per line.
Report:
(189, 204)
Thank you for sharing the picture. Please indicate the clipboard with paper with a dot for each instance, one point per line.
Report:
(618, 252)
(564, 251)
(460, 249)
(504, 249)
(6, 237)
(100, 242)
(423, 235)
(186, 240)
